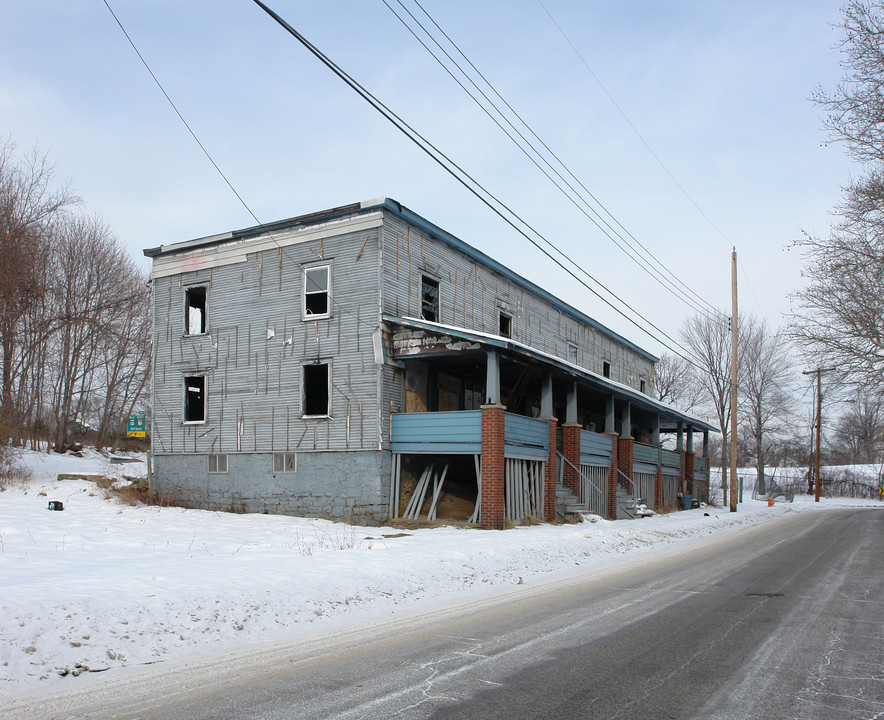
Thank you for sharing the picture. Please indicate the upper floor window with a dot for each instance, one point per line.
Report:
(505, 325)
(317, 291)
(572, 353)
(195, 398)
(429, 298)
(606, 369)
(195, 310)
(643, 385)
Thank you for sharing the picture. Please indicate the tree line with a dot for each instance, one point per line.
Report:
(74, 312)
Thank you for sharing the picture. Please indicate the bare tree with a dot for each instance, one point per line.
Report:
(765, 388)
(675, 382)
(710, 341)
(840, 314)
(29, 206)
(858, 436)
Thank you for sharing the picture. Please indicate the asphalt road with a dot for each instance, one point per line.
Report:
(783, 620)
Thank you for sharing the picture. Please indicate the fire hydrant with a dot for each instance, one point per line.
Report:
(770, 500)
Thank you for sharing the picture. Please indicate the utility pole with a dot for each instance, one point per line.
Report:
(734, 338)
(815, 456)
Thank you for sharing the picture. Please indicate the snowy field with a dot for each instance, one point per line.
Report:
(104, 584)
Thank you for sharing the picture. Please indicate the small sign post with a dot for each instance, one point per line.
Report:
(135, 427)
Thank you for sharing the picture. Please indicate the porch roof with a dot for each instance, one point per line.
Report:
(669, 416)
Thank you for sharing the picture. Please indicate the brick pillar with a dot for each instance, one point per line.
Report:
(658, 481)
(493, 466)
(612, 479)
(571, 451)
(549, 481)
(625, 456)
(688, 464)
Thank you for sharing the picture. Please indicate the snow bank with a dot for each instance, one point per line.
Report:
(104, 584)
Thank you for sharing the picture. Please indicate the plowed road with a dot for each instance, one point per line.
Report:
(784, 620)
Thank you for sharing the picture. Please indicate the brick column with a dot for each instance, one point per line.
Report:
(658, 481)
(571, 451)
(625, 456)
(688, 463)
(612, 478)
(549, 481)
(493, 466)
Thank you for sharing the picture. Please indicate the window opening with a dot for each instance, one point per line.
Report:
(429, 299)
(316, 291)
(505, 325)
(572, 353)
(642, 386)
(285, 462)
(195, 399)
(195, 311)
(218, 463)
(606, 369)
(315, 390)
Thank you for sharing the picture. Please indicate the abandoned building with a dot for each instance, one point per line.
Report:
(362, 363)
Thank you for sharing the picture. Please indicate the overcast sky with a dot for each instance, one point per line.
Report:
(718, 90)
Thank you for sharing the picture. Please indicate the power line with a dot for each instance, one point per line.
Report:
(480, 192)
(633, 127)
(538, 157)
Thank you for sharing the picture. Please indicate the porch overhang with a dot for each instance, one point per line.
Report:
(445, 340)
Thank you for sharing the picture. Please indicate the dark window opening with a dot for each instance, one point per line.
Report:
(642, 386)
(195, 399)
(429, 299)
(195, 311)
(315, 397)
(316, 291)
(572, 353)
(218, 463)
(505, 326)
(606, 369)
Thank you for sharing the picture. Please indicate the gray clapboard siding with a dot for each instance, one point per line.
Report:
(671, 460)
(438, 432)
(525, 437)
(596, 449)
(472, 295)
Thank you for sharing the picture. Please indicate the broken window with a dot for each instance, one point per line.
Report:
(606, 369)
(195, 310)
(218, 463)
(195, 399)
(642, 386)
(429, 298)
(572, 353)
(285, 462)
(505, 325)
(315, 390)
(316, 291)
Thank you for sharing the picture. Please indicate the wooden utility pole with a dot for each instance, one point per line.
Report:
(815, 452)
(734, 338)
(819, 425)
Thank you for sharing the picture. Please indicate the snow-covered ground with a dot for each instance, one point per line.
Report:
(103, 584)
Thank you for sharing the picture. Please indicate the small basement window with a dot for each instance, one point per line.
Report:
(429, 298)
(315, 390)
(195, 310)
(316, 291)
(285, 462)
(195, 398)
(606, 369)
(505, 325)
(218, 463)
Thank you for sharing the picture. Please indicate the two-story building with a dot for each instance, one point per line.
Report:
(363, 363)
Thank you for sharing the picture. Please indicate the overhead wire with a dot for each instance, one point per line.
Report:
(644, 142)
(472, 185)
(440, 158)
(656, 268)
